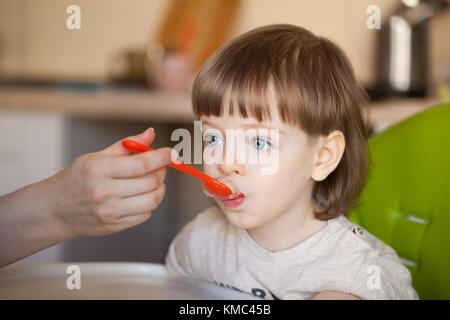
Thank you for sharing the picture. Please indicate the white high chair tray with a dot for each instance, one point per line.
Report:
(106, 281)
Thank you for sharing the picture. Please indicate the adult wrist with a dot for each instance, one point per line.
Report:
(53, 209)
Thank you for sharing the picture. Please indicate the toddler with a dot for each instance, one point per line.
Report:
(291, 99)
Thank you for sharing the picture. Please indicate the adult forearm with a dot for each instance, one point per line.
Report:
(28, 222)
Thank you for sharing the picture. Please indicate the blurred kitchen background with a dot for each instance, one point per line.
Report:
(64, 93)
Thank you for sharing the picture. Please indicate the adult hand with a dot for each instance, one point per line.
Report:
(99, 193)
(111, 190)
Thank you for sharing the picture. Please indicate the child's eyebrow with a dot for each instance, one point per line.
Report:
(208, 123)
(257, 126)
(245, 126)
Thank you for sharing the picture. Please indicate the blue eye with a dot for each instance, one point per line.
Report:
(261, 144)
(212, 140)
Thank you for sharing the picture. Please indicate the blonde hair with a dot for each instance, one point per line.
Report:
(315, 89)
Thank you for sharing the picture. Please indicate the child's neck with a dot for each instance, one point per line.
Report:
(287, 230)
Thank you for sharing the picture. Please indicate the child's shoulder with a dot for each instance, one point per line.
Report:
(374, 257)
(360, 237)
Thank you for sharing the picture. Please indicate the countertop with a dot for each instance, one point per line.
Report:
(138, 104)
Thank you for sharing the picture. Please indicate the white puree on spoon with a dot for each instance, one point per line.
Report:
(234, 192)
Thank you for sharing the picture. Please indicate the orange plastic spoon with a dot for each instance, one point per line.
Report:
(214, 187)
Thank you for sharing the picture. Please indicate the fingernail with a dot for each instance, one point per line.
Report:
(174, 156)
(149, 129)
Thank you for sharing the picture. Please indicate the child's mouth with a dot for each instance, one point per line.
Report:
(235, 196)
(234, 192)
(234, 202)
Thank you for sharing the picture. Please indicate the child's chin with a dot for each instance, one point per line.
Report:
(240, 220)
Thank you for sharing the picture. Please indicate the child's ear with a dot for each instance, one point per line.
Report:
(329, 153)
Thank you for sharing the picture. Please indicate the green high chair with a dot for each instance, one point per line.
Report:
(406, 202)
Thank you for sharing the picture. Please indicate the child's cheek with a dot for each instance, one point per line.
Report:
(209, 169)
(269, 162)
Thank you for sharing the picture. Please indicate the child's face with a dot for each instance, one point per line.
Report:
(269, 194)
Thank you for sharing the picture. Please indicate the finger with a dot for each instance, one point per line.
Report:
(138, 164)
(142, 203)
(116, 149)
(135, 186)
(131, 221)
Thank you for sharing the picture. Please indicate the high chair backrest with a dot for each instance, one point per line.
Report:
(406, 202)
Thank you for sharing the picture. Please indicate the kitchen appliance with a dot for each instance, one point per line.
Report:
(403, 50)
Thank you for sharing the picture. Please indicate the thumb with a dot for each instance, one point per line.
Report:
(116, 149)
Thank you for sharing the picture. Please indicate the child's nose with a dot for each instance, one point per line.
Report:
(232, 168)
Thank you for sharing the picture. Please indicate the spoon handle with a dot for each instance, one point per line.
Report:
(138, 147)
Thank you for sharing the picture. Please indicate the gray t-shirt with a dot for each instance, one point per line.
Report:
(341, 257)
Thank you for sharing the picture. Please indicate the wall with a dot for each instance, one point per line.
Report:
(35, 40)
